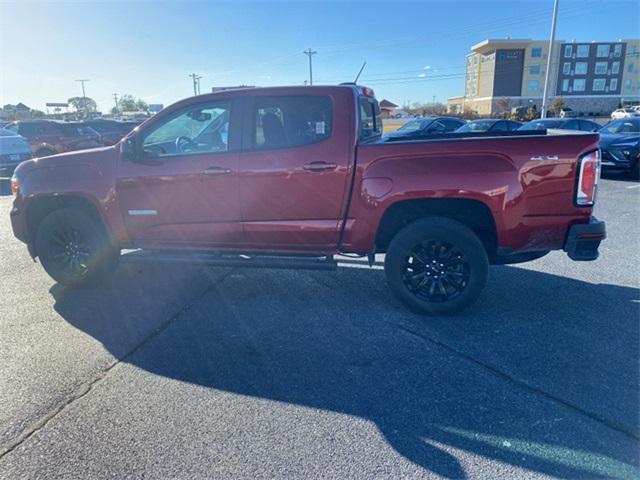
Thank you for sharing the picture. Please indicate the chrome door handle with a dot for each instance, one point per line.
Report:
(319, 166)
(217, 171)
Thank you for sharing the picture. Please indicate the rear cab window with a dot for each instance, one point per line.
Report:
(285, 121)
(370, 119)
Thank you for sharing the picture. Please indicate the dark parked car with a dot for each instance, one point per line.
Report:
(47, 137)
(620, 145)
(14, 149)
(111, 131)
(563, 123)
(489, 125)
(425, 126)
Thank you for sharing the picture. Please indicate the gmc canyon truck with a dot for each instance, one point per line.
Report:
(291, 176)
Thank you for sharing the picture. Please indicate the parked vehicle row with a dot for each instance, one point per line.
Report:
(626, 112)
(50, 137)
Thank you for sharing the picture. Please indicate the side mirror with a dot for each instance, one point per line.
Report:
(129, 149)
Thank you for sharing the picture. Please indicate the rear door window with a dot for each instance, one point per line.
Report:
(291, 120)
(370, 118)
(572, 125)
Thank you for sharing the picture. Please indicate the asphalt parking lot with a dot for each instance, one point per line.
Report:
(182, 372)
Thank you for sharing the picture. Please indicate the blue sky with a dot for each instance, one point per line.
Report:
(414, 51)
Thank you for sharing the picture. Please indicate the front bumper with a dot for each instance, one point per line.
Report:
(618, 159)
(583, 240)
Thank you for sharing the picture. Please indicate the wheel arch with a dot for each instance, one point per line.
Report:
(41, 206)
(474, 214)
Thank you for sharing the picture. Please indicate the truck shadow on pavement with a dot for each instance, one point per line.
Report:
(541, 374)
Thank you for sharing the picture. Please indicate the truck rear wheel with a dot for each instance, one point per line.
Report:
(74, 249)
(436, 266)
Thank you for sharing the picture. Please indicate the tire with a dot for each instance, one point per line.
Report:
(44, 152)
(436, 266)
(74, 249)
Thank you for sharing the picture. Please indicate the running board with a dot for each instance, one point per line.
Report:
(229, 260)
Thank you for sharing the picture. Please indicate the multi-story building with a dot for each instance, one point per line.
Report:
(592, 77)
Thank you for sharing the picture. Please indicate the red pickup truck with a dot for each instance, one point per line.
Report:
(291, 176)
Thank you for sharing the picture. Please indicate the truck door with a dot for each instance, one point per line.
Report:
(183, 191)
(293, 170)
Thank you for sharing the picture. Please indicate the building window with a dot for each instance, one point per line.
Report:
(617, 50)
(615, 68)
(568, 50)
(598, 84)
(533, 86)
(566, 68)
(579, 84)
(565, 85)
(627, 83)
(630, 68)
(582, 51)
(613, 84)
(601, 68)
(602, 51)
(536, 52)
(581, 68)
(534, 69)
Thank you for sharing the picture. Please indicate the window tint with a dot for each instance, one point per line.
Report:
(450, 124)
(290, 121)
(370, 118)
(514, 125)
(437, 126)
(12, 128)
(588, 126)
(571, 125)
(200, 128)
(500, 127)
(31, 129)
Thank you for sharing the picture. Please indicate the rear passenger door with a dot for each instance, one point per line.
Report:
(293, 169)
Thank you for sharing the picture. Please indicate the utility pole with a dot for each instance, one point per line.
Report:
(545, 91)
(310, 53)
(196, 83)
(84, 95)
(115, 99)
(433, 99)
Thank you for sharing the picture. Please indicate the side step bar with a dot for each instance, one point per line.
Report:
(231, 260)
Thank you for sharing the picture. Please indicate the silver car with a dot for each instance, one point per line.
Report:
(14, 149)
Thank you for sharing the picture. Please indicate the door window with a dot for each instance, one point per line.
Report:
(202, 128)
(572, 125)
(501, 127)
(291, 121)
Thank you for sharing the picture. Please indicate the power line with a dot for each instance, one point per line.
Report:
(310, 53)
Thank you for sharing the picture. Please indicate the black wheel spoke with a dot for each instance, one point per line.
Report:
(436, 271)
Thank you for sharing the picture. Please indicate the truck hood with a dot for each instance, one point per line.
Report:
(79, 157)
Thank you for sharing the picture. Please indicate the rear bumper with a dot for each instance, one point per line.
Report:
(583, 240)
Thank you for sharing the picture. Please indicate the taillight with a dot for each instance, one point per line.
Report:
(589, 165)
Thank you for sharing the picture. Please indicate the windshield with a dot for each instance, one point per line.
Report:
(627, 126)
(476, 126)
(541, 124)
(415, 125)
(7, 133)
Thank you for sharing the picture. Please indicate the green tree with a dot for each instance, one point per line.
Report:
(128, 103)
(37, 114)
(503, 106)
(83, 104)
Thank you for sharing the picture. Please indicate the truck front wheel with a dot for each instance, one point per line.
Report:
(73, 247)
(436, 266)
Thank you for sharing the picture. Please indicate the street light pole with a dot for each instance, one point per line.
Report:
(545, 91)
(115, 98)
(84, 94)
(310, 53)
